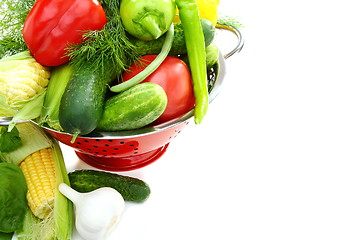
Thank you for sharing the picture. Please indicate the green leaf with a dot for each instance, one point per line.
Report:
(9, 141)
(12, 197)
(6, 236)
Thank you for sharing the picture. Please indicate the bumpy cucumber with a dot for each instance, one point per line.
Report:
(178, 47)
(82, 103)
(133, 108)
(132, 189)
(212, 54)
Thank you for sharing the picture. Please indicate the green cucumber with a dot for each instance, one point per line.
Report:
(178, 47)
(208, 31)
(131, 189)
(212, 55)
(82, 103)
(134, 108)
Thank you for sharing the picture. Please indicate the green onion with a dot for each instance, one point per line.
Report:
(151, 67)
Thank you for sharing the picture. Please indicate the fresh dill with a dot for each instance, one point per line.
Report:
(108, 49)
(12, 16)
(229, 21)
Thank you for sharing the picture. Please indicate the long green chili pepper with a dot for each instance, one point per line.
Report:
(151, 67)
(195, 46)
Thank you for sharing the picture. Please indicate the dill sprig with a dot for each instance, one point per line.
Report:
(12, 16)
(108, 49)
(229, 21)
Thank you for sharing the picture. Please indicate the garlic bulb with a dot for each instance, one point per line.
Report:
(97, 213)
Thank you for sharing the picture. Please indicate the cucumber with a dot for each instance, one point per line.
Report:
(134, 108)
(131, 189)
(82, 103)
(208, 31)
(212, 55)
(178, 47)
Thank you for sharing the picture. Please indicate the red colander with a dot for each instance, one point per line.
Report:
(129, 150)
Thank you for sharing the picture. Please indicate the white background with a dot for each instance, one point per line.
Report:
(277, 156)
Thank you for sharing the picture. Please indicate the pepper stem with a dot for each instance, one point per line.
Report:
(150, 25)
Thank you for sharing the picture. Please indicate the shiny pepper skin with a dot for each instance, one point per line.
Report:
(52, 25)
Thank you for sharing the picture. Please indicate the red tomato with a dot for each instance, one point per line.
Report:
(52, 24)
(173, 75)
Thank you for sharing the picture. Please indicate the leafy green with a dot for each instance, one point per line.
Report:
(9, 141)
(108, 50)
(12, 16)
(13, 202)
(6, 236)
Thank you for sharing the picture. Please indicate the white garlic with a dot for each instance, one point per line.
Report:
(97, 213)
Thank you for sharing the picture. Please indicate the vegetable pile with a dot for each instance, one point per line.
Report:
(91, 65)
(73, 57)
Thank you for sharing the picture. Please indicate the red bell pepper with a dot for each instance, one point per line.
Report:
(54, 24)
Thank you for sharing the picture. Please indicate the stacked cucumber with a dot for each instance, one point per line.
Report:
(84, 106)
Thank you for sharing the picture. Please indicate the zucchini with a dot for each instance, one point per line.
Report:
(131, 189)
(178, 47)
(82, 103)
(133, 108)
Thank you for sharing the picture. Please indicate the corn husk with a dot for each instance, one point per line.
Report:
(22, 78)
(33, 139)
(59, 79)
(59, 223)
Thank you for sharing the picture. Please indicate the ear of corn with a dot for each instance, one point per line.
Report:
(51, 214)
(21, 79)
(39, 171)
(31, 110)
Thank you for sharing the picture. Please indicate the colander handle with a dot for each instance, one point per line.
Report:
(5, 121)
(240, 39)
